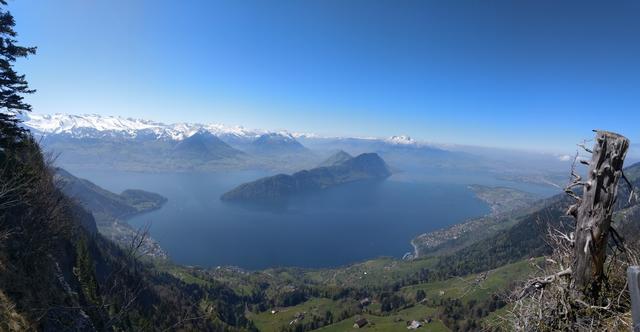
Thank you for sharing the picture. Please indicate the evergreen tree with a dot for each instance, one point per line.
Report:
(85, 271)
(13, 86)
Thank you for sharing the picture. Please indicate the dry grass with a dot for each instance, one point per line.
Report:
(548, 301)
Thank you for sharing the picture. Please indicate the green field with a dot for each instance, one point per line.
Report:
(474, 287)
(391, 323)
(267, 321)
(477, 287)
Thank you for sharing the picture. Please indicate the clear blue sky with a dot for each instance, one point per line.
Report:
(498, 73)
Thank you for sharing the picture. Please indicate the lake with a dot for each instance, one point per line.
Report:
(335, 227)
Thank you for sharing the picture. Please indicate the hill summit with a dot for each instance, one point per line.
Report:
(367, 166)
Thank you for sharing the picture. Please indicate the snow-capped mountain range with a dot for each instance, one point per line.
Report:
(90, 125)
(95, 126)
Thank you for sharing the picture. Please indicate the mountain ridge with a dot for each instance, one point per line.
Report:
(366, 166)
(336, 159)
(89, 125)
(204, 145)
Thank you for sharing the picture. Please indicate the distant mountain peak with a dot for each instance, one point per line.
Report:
(279, 136)
(336, 159)
(204, 145)
(370, 162)
(278, 142)
(401, 140)
(201, 132)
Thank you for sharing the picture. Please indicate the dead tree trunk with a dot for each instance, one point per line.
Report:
(594, 210)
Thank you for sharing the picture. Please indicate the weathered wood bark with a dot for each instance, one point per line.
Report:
(594, 210)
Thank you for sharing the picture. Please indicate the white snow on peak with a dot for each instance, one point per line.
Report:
(65, 123)
(90, 124)
(401, 140)
(282, 134)
(309, 135)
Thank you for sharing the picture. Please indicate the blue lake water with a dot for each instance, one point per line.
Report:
(335, 227)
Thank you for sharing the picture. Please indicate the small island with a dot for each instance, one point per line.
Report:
(367, 166)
